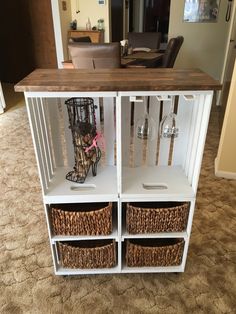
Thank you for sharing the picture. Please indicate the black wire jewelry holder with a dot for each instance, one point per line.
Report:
(82, 122)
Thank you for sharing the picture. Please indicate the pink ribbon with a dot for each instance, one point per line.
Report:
(98, 137)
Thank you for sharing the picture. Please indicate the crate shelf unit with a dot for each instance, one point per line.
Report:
(131, 170)
(162, 170)
(55, 158)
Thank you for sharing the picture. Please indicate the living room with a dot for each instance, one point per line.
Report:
(29, 284)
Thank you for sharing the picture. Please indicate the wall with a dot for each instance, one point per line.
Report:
(204, 43)
(65, 19)
(225, 164)
(91, 9)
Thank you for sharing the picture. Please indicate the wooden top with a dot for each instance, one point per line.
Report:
(85, 30)
(144, 59)
(144, 55)
(136, 79)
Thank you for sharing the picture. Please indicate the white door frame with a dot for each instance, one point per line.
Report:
(2, 100)
(227, 51)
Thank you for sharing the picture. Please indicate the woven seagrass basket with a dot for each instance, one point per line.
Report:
(154, 252)
(87, 254)
(82, 219)
(156, 217)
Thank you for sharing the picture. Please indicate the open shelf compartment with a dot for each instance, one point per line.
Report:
(102, 187)
(156, 219)
(92, 256)
(100, 221)
(153, 165)
(155, 181)
(56, 155)
(149, 256)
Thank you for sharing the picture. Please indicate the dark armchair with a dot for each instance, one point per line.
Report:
(91, 55)
(171, 52)
(147, 40)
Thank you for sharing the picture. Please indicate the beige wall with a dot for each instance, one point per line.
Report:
(65, 18)
(91, 9)
(226, 157)
(204, 43)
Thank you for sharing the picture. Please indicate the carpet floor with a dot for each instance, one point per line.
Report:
(27, 281)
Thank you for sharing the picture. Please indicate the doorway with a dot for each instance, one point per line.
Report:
(117, 9)
(139, 16)
(156, 17)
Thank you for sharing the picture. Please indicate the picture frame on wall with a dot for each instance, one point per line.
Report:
(200, 11)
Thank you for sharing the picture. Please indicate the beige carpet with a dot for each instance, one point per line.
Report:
(27, 282)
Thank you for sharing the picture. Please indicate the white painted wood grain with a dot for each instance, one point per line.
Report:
(154, 113)
(164, 147)
(36, 141)
(53, 116)
(139, 108)
(183, 120)
(109, 129)
(125, 130)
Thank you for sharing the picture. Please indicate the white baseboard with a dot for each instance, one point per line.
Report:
(224, 174)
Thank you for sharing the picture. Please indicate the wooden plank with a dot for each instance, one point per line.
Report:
(131, 79)
(32, 113)
(125, 130)
(196, 134)
(69, 151)
(183, 120)
(118, 146)
(137, 143)
(47, 135)
(201, 139)
(44, 138)
(191, 134)
(154, 112)
(164, 147)
(41, 139)
(97, 113)
(109, 129)
(53, 116)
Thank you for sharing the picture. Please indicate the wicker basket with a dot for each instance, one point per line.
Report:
(87, 254)
(82, 219)
(156, 217)
(154, 252)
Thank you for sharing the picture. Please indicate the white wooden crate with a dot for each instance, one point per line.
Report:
(130, 169)
(55, 152)
(163, 167)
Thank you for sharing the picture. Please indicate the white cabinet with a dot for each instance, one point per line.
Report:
(134, 171)
(151, 185)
